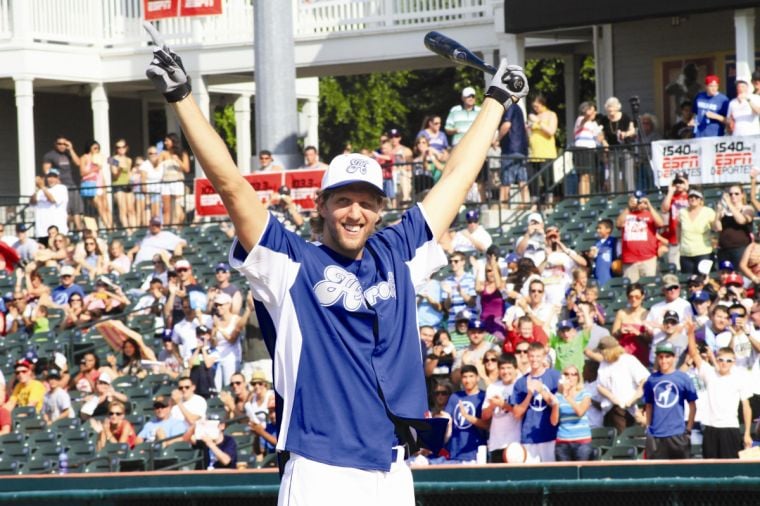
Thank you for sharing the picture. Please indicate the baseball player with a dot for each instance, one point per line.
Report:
(340, 316)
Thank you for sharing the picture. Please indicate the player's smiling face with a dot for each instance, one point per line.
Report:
(350, 215)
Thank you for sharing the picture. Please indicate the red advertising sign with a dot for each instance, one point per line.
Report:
(200, 7)
(303, 186)
(160, 9)
(303, 183)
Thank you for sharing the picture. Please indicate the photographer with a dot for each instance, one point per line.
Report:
(638, 224)
(202, 362)
(675, 200)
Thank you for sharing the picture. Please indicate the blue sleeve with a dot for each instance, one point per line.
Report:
(689, 392)
(408, 235)
(724, 107)
(648, 394)
(519, 392)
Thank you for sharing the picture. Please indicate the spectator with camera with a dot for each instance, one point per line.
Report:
(675, 200)
(733, 222)
(638, 224)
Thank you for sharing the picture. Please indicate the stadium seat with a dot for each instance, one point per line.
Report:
(603, 437)
(12, 443)
(123, 382)
(179, 454)
(621, 452)
(8, 465)
(42, 437)
(101, 465)
(23, 412)
(38, 464)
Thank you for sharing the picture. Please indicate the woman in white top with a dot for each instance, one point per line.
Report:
(226, 331)
(153, 172)
(176, 164)
(743, 111)
(587, 136)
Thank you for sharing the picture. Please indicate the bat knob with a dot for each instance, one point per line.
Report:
(514, 83)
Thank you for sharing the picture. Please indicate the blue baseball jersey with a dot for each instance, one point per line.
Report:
(465, 437)
(667, 394)
(536, 423)
(343, 338)
(606, 254)
(706, 127)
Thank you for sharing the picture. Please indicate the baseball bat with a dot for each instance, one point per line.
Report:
(455, 52)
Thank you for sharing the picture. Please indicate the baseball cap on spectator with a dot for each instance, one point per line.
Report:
(564, 325)
(222, 298)
(742, 79)
(696, 280)
(67, 270)
(665, 347)
(535, 217)
(733, 279)
(669, 281)
(21, 227)
(670, 316)
(155, 221)
(639, 194)
(512, 258)
(182, 264)
(353, 168)
(682, 175)
(394, 132)
(24, 362)
(161, 401)
(476, 324)
(726, 265)
(696, 193)
(472, 216)
(53, 373)
(202, 329)
(104, 378)
(53, 172)
(699, 296)
(469, 91)
(464, 314)
(711, 78)
(607, 343)
(284, 190)
(222, 266)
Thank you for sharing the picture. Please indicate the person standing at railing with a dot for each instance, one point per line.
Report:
(176, 163)
(50, 202)
(675, 200)
(153, 171)
(513, 140)
(66, 160)
(743, 111)
(587, 137)
(618, 130)
(402, 159)
(93, 191)
(710, 108)
(121, 166)
(431, 130)
(542, 145)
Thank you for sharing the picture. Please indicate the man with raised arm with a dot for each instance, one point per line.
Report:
(340, 315)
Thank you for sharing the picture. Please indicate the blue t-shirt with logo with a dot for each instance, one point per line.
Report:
(536, 423)
(516, 140)
(667, 394)
(606, 253)
(61, 294)
(706, 127)
(465, 437)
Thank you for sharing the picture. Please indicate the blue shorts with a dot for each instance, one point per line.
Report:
(513, 170)
(389, 188)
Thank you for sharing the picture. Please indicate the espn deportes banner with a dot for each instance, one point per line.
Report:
(708, 160)
(303, 186)
(162, 9)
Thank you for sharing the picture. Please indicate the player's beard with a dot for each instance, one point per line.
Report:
(344, 242)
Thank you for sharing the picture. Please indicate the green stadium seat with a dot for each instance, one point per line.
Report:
(102, 465)
(23, 412)
(181, 454)
(8, 465)
(621, 452)
(66, 423)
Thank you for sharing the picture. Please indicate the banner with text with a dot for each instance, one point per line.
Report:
(160, 9)
(200, 7)
(303, 186)
(708, 160)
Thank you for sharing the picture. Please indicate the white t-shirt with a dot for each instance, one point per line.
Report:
(153, 176)
(745, 119)
(196, 405)
(505, 428)
(723, 395)
(746, 356)
(156, 243)
(463, 243)
(183, 334)
(622, 377)
(47, 213)
(680, 306)
(258, 412)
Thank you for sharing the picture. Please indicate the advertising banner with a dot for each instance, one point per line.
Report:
(708, 160)
(303, 186)
(200, 7)
(160, 9)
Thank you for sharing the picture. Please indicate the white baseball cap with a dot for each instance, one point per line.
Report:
(469, 91)
(353, 168)
(535, 217)
(222, 298)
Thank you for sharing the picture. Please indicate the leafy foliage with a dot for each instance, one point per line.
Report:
(224, 121)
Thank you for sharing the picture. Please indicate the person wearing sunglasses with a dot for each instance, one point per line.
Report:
(671, 291)
(458, 288)
(161, 426)
(733, 222)
(116, 428)
(188, 406)
(574, 429)
(728, 387)
(234, 400)
(670, 331)
(27, 390)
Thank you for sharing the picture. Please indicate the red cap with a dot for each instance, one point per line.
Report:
(733, 279)
(712, 78)
(24, 363)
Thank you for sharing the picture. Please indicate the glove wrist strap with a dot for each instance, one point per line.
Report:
(177, 94)
(498, 94)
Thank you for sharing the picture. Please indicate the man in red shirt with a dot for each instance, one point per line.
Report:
(638, 224)
(675, 200)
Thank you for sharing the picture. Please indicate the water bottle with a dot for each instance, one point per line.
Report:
(63, 463)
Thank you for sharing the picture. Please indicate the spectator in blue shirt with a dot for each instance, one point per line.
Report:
(711, 108)
(161, 426)
(466, 429)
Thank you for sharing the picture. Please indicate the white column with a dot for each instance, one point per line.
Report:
(100, 126)
(744, 24)
(25, 132)
(200, 92)
(243, 133)
(22, 22)
(571, 91)
(311, 114)
(604, 63)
